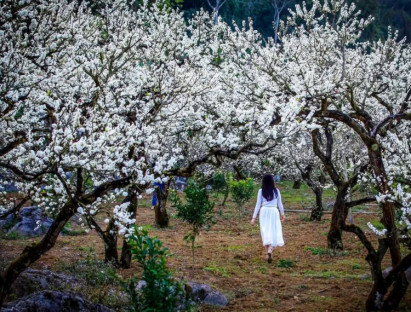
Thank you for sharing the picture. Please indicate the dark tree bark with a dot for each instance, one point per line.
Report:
(376, 298)
(109, 237)
(318, 210)
(368, 129)
(32, 253)
(161, 216)
(339, 214)
(306, 174)
(132, 197)
(239, 174)
(297, 184)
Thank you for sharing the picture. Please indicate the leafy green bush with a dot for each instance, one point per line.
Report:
(161, 292)
(197, 211)
(241, 191)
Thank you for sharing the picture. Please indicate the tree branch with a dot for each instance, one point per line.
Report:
(360, 201)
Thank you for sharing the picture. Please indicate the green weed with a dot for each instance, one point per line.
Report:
(217, 270)
(13, 235)
(282, 263)
(316, 250)
(93, 271)
(304, 217)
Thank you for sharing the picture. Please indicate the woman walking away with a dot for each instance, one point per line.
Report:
(270, 207)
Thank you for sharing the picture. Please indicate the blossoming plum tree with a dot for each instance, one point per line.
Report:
(328, 74)
(84, 103)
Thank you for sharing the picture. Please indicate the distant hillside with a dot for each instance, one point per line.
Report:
(395, 13)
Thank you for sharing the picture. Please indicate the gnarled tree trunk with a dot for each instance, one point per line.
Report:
(132, 197)
(109, 237)
(339, 214)
(317, 212)
(32, 253)
(376, 298)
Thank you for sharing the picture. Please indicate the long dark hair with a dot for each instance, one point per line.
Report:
(268, 187)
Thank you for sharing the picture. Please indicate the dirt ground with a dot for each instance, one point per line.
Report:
(230, 258)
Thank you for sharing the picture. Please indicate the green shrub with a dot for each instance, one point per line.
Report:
(241, 191)
(161, 291)
(197, 211)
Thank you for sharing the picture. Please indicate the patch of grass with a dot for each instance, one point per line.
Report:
(324, 274)
(13, 236)
(304, 217)
(263, 269)
(316, 250)
(378, 225)
(144, 202)
(110, 297)
(283, 263)
(69, 231)
(7, 226)
(351, 264)
(93, 271)
(88, 249)
(235, 247)
(317, 298)
(338, 253)
(330, 274)
(218, 270)
(255, 230)
(326, 251)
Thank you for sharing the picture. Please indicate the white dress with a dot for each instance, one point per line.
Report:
(270, 224)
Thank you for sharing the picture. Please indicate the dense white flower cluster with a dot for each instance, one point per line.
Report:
(88, 100)
(375, 230)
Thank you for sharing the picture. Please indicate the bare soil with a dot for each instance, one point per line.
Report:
(230, 257)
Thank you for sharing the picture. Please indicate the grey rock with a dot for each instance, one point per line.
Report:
(35, 280)
(8, 188)
(141, 284)
(27, 223)
(407, 273)
(51, 301)
(204, 293)
(216, 299)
